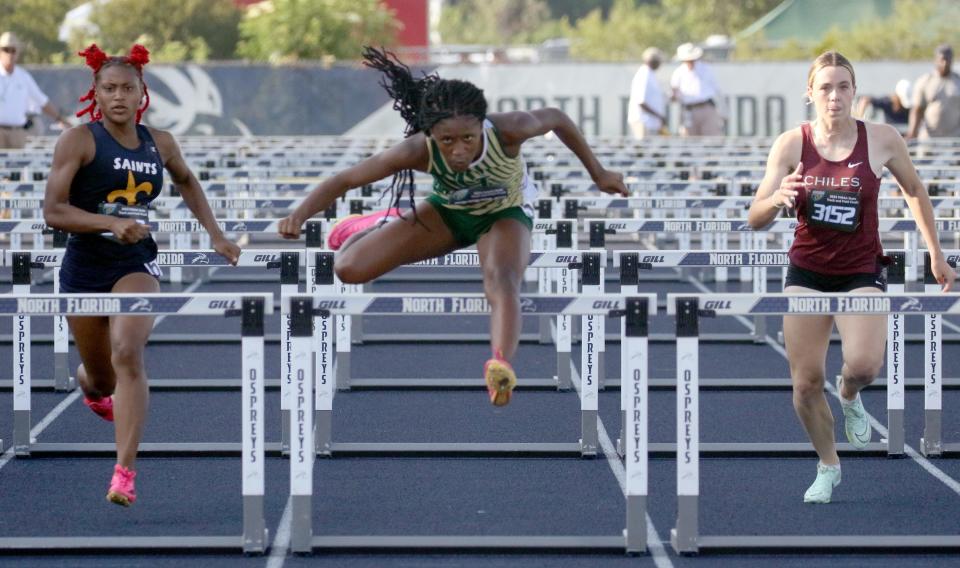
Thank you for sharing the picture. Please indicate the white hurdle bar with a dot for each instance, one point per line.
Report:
(688, 308)
(304, 309)
(251, 309)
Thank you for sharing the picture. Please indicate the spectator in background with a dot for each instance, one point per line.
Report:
(646, 111)
(935, 112)
(18, 93)
(696, 89)
(895, 108)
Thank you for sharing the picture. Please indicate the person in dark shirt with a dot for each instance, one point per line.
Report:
(114, 163)
(894, 108)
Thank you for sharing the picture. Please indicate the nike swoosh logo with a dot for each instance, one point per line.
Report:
(853, 164)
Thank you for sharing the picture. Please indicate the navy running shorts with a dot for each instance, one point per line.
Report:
(78, 278)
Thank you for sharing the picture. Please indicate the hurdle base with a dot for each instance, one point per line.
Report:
(768, 449)
(931, 444)
(635, 534)
(301, 524)
(894, 544)
(564, 375)
(21, 433)
(466, 543)
(63, 380)
(255, 532)
(684, 538)
(285, 432)
(455, 449)
(895, 437)
(341, 371)
(97, 544)
(588, 430)
(322, 432)
(149, 449)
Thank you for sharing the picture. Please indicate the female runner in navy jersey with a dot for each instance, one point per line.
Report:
(829, 170)
(481, 195)
(113, 161)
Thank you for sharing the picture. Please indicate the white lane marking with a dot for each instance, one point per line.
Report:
(281, 541)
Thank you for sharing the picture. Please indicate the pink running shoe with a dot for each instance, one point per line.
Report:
(353, 224)
(102, 408)
(121, 490)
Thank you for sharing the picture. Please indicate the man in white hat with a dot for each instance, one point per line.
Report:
(18, 93)
(647, 109)
(894, 108)
(696, 89)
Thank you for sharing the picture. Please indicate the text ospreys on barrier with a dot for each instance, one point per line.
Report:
(688, 309)
(251, 309)
(304, 310)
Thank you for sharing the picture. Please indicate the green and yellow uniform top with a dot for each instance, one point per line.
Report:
(492, 183)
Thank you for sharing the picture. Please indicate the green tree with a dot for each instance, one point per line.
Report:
(173, 30)
(497, 22)
(36, 23)
(910, 33)
(289, 30)
(632, 26)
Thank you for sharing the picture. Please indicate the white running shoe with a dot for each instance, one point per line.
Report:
(856, 424)
(821, 491)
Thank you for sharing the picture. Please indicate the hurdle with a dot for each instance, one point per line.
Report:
(304, 309)
(688, 309)
(931, 444)
(223, 305)
(456, 304)
(251, 309)
(21, 263)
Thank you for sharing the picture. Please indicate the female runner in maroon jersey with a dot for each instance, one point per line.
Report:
(829, 170)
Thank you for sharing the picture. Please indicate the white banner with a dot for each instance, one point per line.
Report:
(761, 98)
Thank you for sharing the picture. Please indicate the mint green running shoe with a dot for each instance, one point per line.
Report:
(822, 489)
(856, 424)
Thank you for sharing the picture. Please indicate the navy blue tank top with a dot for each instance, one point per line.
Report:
(116, 175)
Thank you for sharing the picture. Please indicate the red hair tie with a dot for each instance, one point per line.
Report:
(95, 59)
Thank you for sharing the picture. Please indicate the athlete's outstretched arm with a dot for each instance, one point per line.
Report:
(408, 154)
(918, 200)
(74, 149)
(517, 127)
(189, 188)
(782, 180)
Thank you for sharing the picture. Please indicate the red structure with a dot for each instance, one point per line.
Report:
(414, 36)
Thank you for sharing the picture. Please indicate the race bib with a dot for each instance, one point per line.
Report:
(473, 195)
(136, 212)
(833, 209)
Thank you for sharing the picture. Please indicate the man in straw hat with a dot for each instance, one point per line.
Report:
(647, 109)
(696, 89)
(19, 93)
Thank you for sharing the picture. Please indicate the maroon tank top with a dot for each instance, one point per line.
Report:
(829, 251)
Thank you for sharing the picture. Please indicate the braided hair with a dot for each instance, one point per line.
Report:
(422, 103)
(97, 60)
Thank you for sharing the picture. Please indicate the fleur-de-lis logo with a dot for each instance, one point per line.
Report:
(131, 192)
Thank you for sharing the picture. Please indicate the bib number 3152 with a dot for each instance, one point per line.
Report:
(831, 209)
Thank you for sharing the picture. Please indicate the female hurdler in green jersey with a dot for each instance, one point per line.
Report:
(481, 195)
